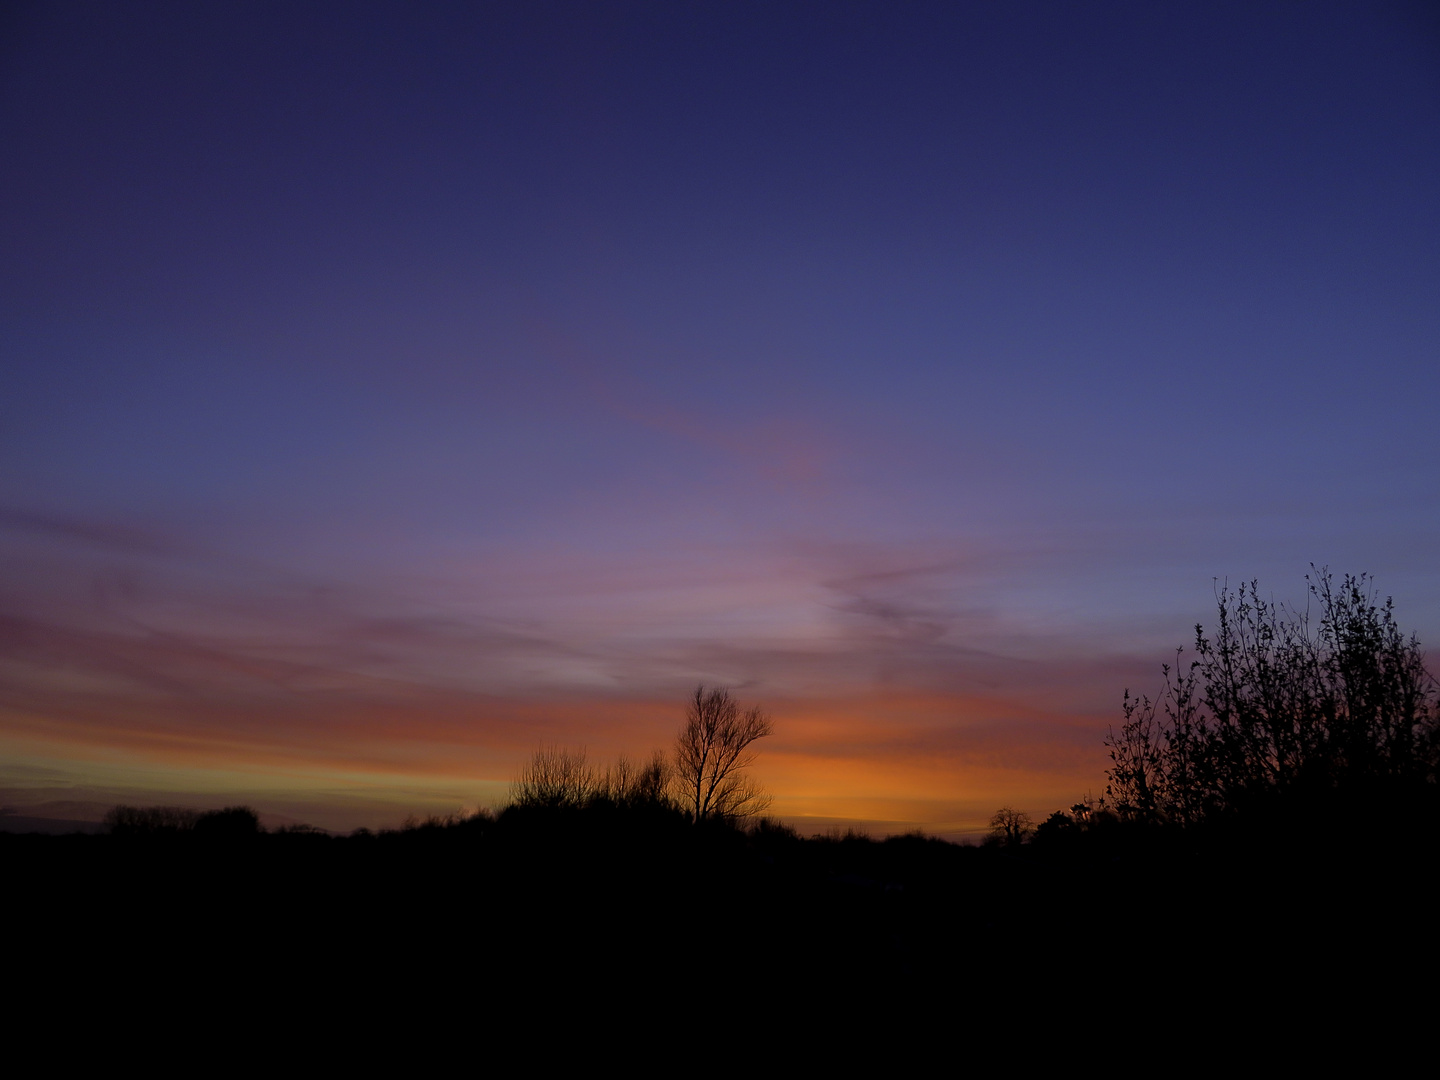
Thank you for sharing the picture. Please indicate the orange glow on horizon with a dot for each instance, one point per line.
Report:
(891, 763)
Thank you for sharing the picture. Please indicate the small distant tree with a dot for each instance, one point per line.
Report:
(712, 753)
(1010, 827)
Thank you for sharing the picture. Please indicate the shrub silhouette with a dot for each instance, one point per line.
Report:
(1274, 707)
(232, 822)
(560, 778)
(555, 777)
(632, 786)
(162, 820)
(150, 820)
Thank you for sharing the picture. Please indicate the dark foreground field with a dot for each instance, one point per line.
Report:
(586, 909)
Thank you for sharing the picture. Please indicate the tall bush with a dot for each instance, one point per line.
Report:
(1279, 704)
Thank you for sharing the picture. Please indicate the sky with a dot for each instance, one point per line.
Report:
(389, 389)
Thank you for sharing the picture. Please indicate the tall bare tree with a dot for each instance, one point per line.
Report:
(712, 754)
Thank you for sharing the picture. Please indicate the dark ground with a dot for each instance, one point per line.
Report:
(584, 906)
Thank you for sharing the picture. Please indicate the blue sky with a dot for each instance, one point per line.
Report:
(540, 361)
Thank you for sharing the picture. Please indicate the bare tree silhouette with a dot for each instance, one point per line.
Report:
(712, 753)
(1010, 827)
(558, 776)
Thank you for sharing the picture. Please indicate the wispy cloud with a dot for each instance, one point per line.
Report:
(104, 535)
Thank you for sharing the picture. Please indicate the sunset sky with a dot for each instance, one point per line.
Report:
(388, 389)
